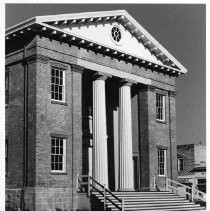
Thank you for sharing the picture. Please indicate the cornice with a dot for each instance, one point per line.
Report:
(77, 68)
(172, 94)
(47, 26)
(36, 58)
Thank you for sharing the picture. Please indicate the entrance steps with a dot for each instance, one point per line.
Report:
(149, 201)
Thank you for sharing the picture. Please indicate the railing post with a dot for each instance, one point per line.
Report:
(154, 183)
(122, 205)
(166, 184)
(104, 196)
(88, 185)
(77, 185)
(192, 193)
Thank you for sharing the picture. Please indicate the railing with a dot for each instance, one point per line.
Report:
(92, 184)
(190, 192)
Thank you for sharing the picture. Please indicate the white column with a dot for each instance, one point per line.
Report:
(100, 161)
(126, 181)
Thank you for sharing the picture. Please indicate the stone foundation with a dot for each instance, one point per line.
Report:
(39, 199)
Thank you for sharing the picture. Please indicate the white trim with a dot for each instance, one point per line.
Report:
(64, 157)
(165, 164)
(63, 86)
(112, 71)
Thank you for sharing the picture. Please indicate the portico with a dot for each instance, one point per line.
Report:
(110, 148)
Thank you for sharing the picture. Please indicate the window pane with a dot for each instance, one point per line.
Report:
(61, 81)
(56, 96)
(53, 72)
(60, 158)
(60, 166)
(56, 158)
(52, 166)
(57, 73)
(56, 166)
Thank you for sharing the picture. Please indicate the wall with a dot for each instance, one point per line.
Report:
(46, 117)
(187, 153)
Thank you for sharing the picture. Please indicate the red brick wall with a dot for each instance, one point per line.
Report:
(187, 153)
(154, 135)
(46, 117)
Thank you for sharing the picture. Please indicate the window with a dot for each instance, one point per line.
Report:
(161, 162)
(180, 164)
(6, 157)
(58, 154)
(160, 107)
(6, 88)
(57, 84)
(116, 34)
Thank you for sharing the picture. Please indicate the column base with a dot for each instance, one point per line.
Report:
(125, 189)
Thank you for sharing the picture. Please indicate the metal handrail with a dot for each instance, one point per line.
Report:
(102, 192)
(192, 192)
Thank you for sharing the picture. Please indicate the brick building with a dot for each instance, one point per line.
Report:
(191, 163)
(88, 93)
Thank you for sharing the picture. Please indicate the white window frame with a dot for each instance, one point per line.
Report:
(164, 163)
(64, 156)
(161, 108)
(178, 164)
(63, 85)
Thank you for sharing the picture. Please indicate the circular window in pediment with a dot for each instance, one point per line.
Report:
(116, 34)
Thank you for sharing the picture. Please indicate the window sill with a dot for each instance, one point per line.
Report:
(161, 121)
(58, 102)
(161, 176)
(59, 173)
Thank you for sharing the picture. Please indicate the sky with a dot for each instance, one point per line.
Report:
(180, 28)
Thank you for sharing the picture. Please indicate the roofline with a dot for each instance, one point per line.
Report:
(80, 15)
(124, 13)
(164, 50)
(21, 25)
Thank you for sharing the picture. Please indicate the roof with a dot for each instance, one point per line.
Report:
(199, 169)
(49, 25)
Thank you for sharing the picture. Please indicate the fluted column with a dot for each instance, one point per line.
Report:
(126, 180)
(100, 161)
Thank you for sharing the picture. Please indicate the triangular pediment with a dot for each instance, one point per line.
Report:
(113, 35)
(94, 30)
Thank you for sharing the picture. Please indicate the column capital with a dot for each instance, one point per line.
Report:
(77, 68)
(127, 82)
(172, 94)
(101, 76)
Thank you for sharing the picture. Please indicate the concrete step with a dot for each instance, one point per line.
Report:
(142, 197)
(151, 204)
(148, 204)
(155, 208)
(146, 200)
(149, 201)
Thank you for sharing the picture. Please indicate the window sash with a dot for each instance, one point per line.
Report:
(160, 107)
(57, 84)
(162, 162)
(58, 154)
(180, 164)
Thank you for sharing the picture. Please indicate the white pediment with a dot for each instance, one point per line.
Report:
(101, 33)
(93, 30)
